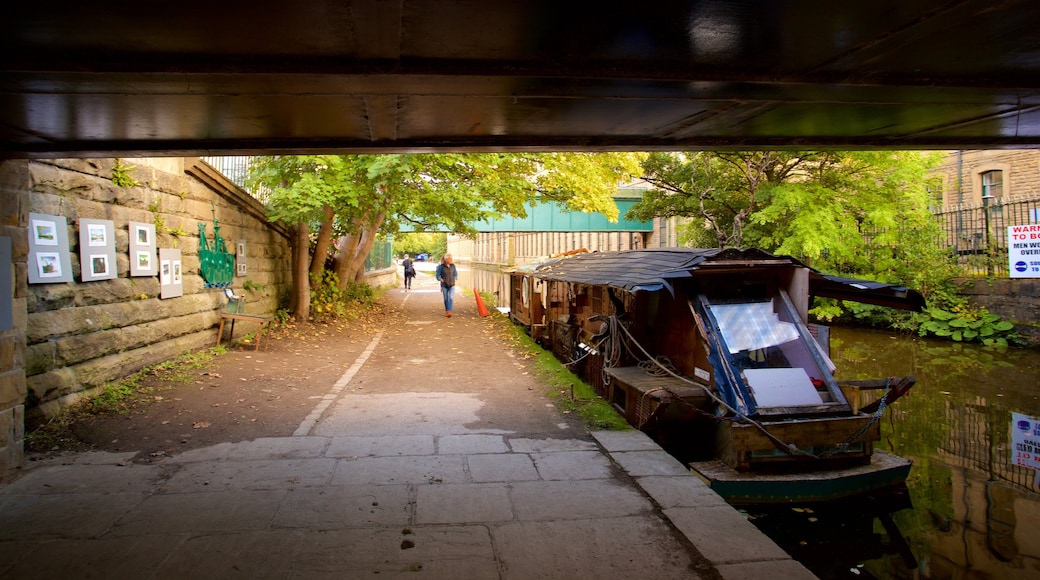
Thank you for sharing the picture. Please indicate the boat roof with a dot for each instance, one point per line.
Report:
(654, 269)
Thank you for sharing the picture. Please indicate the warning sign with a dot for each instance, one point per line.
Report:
(1025, 441)
(1024, 251)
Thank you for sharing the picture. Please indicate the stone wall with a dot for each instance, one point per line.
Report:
(13, 214)
(1014, 299)
(81, 335)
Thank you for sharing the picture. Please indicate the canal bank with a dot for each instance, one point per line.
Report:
(435, 451)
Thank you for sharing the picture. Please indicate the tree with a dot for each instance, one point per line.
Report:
(840, 210)
(352, 199)
(862, 213)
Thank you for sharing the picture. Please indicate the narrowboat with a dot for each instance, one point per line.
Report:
(711, 353)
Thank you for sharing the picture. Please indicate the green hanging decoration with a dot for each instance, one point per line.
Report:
(216, 264)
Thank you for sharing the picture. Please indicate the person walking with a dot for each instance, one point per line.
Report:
(409, 272)
(447, 274)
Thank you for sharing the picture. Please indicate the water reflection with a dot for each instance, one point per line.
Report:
(974, 514)
(967, 511)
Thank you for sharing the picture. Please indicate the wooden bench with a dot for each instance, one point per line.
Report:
(265, 322)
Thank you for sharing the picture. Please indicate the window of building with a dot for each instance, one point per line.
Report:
(993, 184)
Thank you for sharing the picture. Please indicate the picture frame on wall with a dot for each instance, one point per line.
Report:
(171, 273)
(49, 261)
(97, 250)
(144, 261)
(44, 232)
(99, 265)
(142, 248)
(48, 265)
(97, 235)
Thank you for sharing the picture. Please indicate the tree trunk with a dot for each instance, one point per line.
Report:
(321, 245)
(354, 250)
(300, 297)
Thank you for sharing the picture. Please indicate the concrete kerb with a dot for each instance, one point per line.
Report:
(718, 532)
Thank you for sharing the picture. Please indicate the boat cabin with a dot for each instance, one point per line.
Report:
(710, 351)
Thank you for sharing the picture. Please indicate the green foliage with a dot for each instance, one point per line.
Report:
(122, 176)
(966, 323)
(253, 286)
(330, 302)
(414, 244)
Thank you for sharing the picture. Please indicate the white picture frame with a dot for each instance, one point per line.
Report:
(165, 273)
(48, 264)
(142, 235)
(99, 264)
(45, 232)
(177, 272)
(97, 235)
(144, 261)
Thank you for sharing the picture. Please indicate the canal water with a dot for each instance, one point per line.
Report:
(967, 510)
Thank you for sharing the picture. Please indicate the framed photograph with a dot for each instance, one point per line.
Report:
(171, 273)
(144, 260)
(48, 264)
(99, 265)
(241, 249)
(142, 235)
(45, 233)
(97, 235)
(241, 268)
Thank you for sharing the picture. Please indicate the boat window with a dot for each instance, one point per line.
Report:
(752, 326)
(773, 357)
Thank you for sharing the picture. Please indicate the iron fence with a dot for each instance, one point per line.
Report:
(237, 170)
(977, 233)
(381, 256)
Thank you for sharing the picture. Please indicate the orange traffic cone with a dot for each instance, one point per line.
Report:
(481, 309)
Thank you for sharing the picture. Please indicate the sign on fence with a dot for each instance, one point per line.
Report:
(1025, 442)
(1024, 251)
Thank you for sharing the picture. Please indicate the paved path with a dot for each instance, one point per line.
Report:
(434, 456)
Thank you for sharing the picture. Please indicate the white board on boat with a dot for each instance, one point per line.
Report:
(782, 387)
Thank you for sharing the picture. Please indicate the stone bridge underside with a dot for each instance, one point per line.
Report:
(92, 78)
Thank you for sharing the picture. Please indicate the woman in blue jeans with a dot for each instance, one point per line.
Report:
(446, 275)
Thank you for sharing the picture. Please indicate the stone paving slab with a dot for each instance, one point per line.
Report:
(572, 465)
(462, 504)
(397, 470)
(567, 500)
(80, 515)
(415, 552)
(630, 440)
(335, 507)
(527, 445)
(110, 558)
(502, 467)
(224, 511)
(656, 462)
(723, 536)
(386, 446)
(258, 554)
(88, 477)
(261, 474)
(562, 549)
(454, 444)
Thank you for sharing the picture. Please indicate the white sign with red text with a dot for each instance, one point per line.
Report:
(1024, 251)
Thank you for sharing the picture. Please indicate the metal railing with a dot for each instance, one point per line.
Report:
(977, 233)
(237, 170)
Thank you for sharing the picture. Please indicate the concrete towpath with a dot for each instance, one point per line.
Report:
(435, 455)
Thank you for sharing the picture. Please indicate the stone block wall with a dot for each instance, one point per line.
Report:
(13, 204)
(80, 336)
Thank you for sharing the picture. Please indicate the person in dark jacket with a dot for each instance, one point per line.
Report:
(447, 274)
(409, 271)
